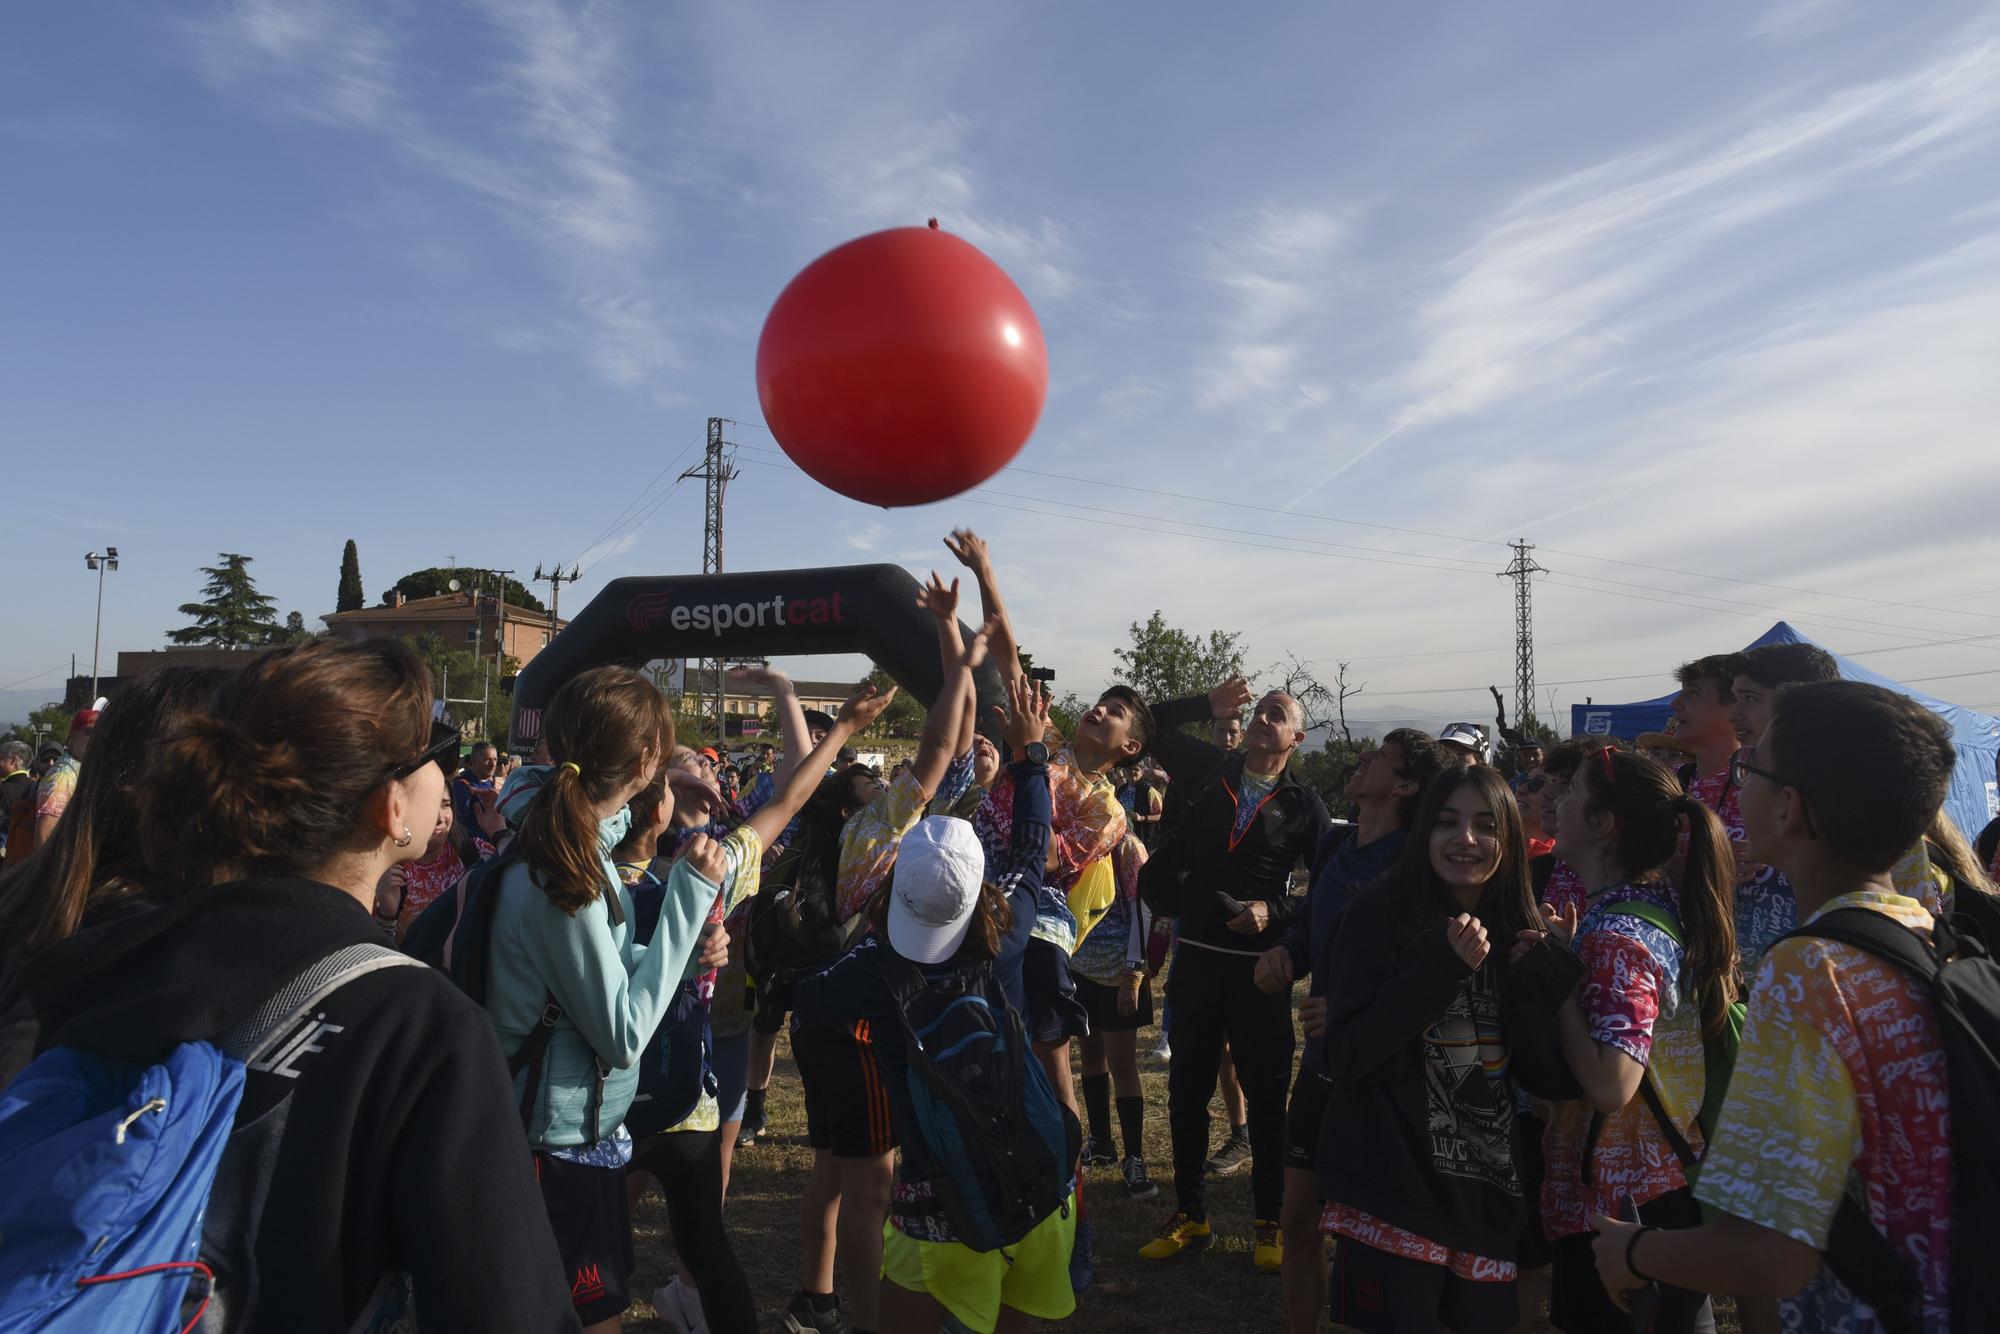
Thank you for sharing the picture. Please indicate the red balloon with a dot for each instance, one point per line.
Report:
(902, 367)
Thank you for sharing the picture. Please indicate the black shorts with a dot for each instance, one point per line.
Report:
(772, 1005)
(1100, 1003)
(1303, 1116)
(593, 1226)
(1380, 1293)
(1578, 1302)
(847, 1104)
(1054, 1013)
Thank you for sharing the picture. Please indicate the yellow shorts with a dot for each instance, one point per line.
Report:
(974, 1285)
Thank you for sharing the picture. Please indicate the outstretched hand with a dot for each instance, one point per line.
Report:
(759, 674)
(976, 648)
(939, 599)
(1026, 718)
(864, 706)
(1229, 699)
(970, 549)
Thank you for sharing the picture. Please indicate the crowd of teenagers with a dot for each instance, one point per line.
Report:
(1582, 1034)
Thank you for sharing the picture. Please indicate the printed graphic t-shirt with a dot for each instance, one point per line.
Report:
(1840, 1080)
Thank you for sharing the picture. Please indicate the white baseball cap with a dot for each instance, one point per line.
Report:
(939, 869)
(1464, 734)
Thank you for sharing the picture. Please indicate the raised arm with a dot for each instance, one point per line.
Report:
(791, 717)
(971, 551)
(856, 715)
(941, 728)
(1186, 758)
(941, 601)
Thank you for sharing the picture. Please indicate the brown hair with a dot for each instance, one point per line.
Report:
(1649, 804)
(1507, 902)
(992, 917)
(274, 777)
(600, 728)
(94, 857)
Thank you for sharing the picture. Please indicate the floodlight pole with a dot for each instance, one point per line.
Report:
(103, 562)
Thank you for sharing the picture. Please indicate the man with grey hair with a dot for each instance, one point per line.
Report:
(17, 785)
(1222, 873)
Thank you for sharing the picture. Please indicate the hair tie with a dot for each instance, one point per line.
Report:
(572, 768)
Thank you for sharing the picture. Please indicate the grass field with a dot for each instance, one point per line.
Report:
(1216, 1290)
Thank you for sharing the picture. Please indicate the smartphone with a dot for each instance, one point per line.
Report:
(1230, 905)
(1645, 1303)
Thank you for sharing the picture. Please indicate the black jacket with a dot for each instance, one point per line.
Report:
(1198, 861)
(1407, 1118)
(401, 1149)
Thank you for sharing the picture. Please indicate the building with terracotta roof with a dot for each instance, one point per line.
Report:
(484, 624)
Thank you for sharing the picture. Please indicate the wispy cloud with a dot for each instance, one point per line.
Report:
(1273, 279)
(1574, 273)
(564, 180)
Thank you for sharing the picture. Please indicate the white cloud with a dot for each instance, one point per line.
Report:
(563, 180)
(1274, 280)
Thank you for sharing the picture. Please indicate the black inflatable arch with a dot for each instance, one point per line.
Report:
(869, 609)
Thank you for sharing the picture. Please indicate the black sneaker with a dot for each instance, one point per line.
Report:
(802, 1318)
(1096, 1153)
(1232, 1155)
(1138, 1186)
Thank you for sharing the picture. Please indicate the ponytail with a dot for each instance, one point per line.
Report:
(1708, 912)
(603, 728)
(1650, 805)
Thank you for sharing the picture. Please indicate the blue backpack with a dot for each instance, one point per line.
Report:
(1002, 1146)
(110, 1167)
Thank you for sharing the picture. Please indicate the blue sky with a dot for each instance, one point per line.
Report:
(1710, 291)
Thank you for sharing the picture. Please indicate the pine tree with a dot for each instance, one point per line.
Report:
(350, 597)
(232, 614)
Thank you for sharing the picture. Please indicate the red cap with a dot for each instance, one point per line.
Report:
(82, 719)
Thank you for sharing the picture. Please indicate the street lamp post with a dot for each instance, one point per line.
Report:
(102, 562)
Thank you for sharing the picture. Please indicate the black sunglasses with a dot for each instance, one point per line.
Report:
(443, 747)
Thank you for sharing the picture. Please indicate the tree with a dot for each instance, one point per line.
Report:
(459, 673)
(232, 614)
(1166, 662)
(904, 716)
(52, 719)
(436, 581)
(350, 597)
(1066, 713)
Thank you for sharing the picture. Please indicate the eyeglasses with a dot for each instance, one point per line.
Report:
(1739, 771)
(444, 745)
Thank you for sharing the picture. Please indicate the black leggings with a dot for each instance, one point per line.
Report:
(1212, 998)
(688, 1166)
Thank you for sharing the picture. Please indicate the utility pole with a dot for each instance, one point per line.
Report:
(555, 580)
(1520, 570)
(718, 467)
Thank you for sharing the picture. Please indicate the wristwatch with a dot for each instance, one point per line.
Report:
(1032, 753)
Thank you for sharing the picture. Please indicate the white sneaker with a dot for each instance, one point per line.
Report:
(680, 1307)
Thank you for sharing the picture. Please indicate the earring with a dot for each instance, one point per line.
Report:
(404, 841)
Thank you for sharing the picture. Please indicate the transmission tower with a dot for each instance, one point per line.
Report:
(718, 467)
(1521, 570)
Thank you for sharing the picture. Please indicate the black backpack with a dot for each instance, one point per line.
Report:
(1962, 981)
(1002, 1146)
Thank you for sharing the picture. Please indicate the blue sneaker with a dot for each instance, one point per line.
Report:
(1082, 1266)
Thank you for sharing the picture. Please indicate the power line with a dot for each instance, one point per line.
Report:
(636, 502)
(36, 677)
(1488, 541)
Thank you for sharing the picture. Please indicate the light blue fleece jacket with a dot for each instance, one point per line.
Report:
(614, 992)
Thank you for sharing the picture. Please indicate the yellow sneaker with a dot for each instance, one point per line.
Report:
(1270, 1253)
(1177, 1234)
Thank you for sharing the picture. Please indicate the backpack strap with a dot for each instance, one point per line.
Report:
(251, 1040)
(1856, 1251)
(1651, 913)
(533, 1054)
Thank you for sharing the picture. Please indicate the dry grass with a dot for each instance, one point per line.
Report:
(1213, 1290)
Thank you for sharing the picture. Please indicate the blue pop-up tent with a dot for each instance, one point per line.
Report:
(1974, 798)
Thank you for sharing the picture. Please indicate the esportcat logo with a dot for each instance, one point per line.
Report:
(646, 610)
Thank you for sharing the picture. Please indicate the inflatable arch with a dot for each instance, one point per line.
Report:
(870, 609)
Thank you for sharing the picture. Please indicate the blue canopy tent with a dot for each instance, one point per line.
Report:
(1973, 799)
